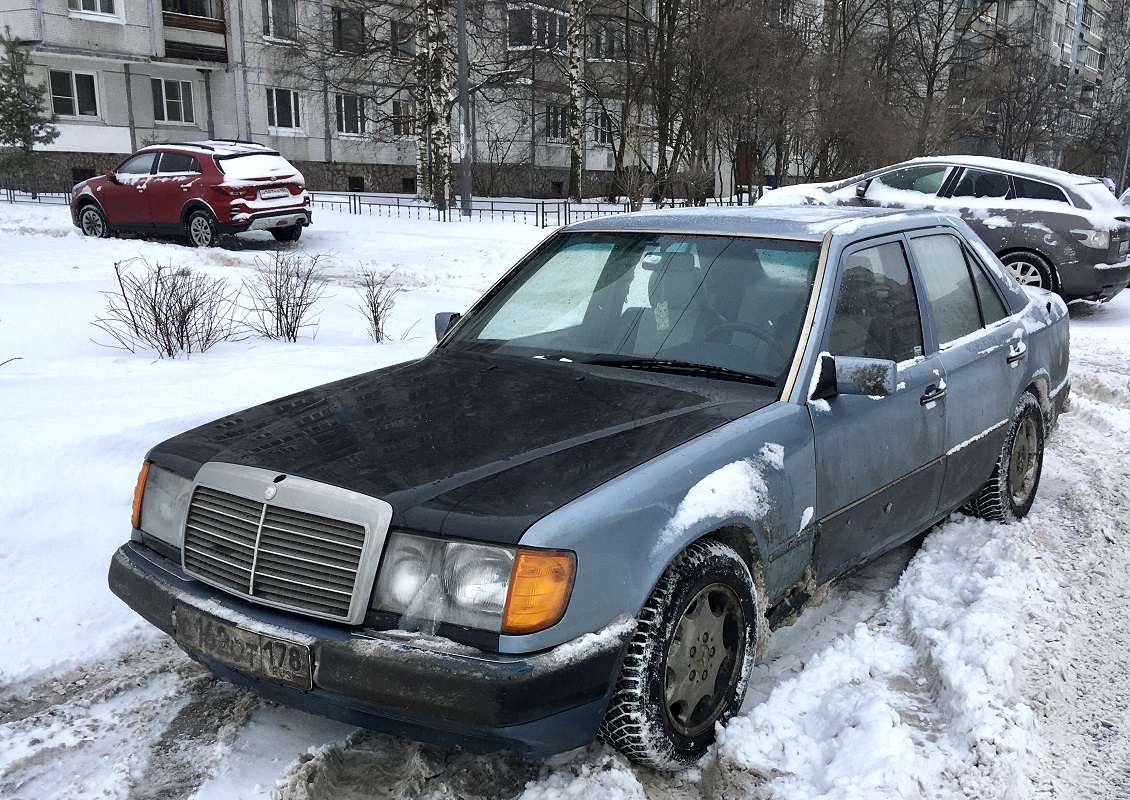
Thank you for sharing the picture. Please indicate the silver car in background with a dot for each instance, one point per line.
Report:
(1054, 229)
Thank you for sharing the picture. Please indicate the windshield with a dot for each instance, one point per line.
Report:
(627, 299)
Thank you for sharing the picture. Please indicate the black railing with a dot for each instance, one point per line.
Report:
(35, 192)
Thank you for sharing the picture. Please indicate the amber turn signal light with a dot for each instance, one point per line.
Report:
(540, 585)
(138, 493)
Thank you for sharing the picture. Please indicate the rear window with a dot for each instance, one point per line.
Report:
(256, 165)
(1037, 190)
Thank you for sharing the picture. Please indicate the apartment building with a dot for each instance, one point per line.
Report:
(324, 83)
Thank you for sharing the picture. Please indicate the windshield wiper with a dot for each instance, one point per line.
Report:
(676, 367)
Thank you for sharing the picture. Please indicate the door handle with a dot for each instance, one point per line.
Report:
(1017, 352)
(934, 392)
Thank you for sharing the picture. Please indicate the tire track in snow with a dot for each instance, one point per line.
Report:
(146, 724)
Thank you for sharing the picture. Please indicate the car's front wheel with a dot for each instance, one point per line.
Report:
(687, 664)
(1010, 492)
(1030, 269)
(93, 222)
(201, 229)
(291, 233)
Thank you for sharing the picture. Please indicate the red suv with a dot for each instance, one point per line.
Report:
(202, 190)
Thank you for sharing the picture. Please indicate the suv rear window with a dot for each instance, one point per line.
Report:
(256, 165)
(1037, 190)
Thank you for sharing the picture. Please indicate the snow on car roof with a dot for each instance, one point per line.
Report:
(800, 222)
(1022, 168)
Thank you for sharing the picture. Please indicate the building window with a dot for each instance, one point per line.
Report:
(350, 114)
(95, 6)
(280, 19)
(556, 123)
(604, 44)
(348, 31)
(403, 118)
(283, 109)
(602, 128)
(543, 28)
(403, 36)
(73, 94)
(172, 101)
(210, 9)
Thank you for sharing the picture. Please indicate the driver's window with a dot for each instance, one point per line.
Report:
(876, 312)
(926, 180)
(138, 165)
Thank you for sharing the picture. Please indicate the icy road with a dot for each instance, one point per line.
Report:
(990, 662)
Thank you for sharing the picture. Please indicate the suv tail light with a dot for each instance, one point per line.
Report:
(233, 191)
(1100, 240)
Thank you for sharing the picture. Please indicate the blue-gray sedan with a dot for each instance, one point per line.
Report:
(582, 513)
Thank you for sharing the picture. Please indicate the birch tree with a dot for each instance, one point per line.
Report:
(578, 21)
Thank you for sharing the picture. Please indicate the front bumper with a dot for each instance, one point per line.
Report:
(421, 687)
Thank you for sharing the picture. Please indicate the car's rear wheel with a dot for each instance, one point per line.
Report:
(687, 664)
(93, 222)
(201, 229)
(1011, 490)
(291, 233)
(1030, 269)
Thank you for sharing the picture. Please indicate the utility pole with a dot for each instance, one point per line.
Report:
(464, 112)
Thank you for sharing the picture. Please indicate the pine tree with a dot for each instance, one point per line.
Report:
(22, 121)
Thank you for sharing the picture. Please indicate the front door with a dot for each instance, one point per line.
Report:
(879, 460)
(124, 199)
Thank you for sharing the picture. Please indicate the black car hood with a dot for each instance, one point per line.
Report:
(469, 445)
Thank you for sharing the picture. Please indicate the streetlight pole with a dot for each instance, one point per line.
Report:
(464, 112)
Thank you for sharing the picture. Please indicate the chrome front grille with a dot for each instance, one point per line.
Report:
(282, 557)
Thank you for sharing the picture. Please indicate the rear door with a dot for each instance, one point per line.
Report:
(174, 180)
(980, 352)
(879, 460)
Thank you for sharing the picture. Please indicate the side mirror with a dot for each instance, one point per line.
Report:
(861, 188)
(873, 377)
(835, 375)
(112, 176)
(445, 321)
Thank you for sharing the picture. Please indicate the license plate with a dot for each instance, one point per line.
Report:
(270, 194)
(1124, 247)
(251, 653)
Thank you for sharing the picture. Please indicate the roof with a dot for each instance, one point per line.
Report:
(216, 147)
(794, 222)
(1022, 168)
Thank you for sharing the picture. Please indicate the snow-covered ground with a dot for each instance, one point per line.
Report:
(995, 664)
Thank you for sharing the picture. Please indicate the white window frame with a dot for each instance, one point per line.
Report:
(403, 118)
(556, 115)
(74, 94)
(295, 102)
(164, 118)
(539, 25)
(269, 31)
(342, 121)
(603, 129)
(98, 14)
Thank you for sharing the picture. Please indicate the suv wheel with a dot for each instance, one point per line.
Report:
(291, 233)
(688, 662)
(1030, 269)
(93, 222)
(201, 229)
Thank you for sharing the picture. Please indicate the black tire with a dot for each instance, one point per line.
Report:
(291, 233)
(1030, 269)
(672, 689)
(200, 229)
(92, 222)
(1010, 492)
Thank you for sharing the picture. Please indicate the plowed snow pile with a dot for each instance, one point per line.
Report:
(990, 662)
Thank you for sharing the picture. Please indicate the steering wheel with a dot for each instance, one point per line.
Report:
(717, 333)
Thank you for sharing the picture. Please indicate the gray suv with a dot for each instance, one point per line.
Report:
(1054, 229)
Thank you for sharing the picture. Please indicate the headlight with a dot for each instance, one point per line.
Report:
(499, 589)
(161, 503)
(1100, 240)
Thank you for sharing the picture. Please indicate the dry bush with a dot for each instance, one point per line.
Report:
(377, 300)
(283, 294)
(168, 309)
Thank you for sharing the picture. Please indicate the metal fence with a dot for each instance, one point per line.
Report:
(54, 194)
(542, 213)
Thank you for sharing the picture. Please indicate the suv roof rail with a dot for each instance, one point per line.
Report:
(198, 145)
